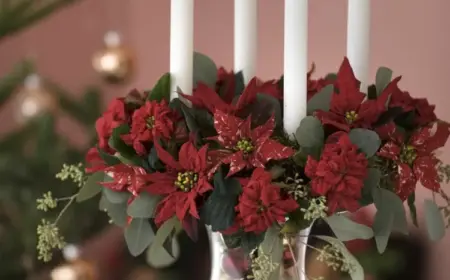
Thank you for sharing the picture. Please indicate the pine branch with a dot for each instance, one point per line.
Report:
(23, 13)
(11, 81)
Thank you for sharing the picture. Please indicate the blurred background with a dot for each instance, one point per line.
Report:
(61, 61)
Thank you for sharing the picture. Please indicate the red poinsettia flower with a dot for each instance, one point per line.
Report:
(114, 116)
(425, 112)
(183, 182)
(153, 119)
(94, 161)
(347, 109)
(339, 174)
(246, 147)
(125, 177)
(261, 204)
(416, 160)
(314, 86)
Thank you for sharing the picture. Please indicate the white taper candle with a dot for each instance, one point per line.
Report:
(358, 39)
(295, 63)
(181, 45)
(245, 37)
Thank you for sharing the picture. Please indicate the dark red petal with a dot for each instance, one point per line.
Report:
(215, 159)
(163, 183)
(203, 96)
(249, 94)
(425, 171)
(330, 118)
(165, 209)
(311, 167)
(346, 80)
(390, 150)
(187, 156)
(165, 157)
(263, 132)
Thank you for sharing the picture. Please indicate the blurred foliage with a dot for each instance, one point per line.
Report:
(31, 155)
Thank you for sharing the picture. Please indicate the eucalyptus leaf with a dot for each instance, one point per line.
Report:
(117, 212)
(107, 158)
(165, 230)
(205, 70)
(382, 78)
(114, 196)
(434, 220)
(412, 208)
(345, 229)
(91, 187)
(366, 140)
(357, 273)
(310, 133)
(382, 227)
(321, 100)
(270, 239)
(370, 183)
(161, 91)
(158, 257)
(138, 236)
(388, 202)
(143, 206)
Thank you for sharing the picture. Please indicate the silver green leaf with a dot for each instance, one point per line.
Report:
(138, 236)
(388, 202)
(434, 220)
(366, 140)
(158, 257)
(310, 133)
(115, 197)
(382, 79)
(143, 206)
(321, 100)
(382, 227)
(345, 229)
(91, 187)
(205, 70)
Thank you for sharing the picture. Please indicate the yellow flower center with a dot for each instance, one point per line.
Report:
(245, 145)
(351, 116)
(408, 154)
(186, 180)
(150, 121)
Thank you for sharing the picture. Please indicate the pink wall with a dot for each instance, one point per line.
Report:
(410, 36)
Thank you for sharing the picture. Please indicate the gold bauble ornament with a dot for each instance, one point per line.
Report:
(114, 62)
(34, 99)
(75, 268)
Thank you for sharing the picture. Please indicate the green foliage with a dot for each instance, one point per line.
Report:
(91, 187)
(370, 184)
(32, 154)
(366, 140)
(161, 91)
(434, 220)
(143, 206)
(382, 79)
(164, 249)
(310, 133)
(321, 100)
(345, 229)
(205, 70)
(138, 236)
(218, 210)
(412, 208)
(390, 216)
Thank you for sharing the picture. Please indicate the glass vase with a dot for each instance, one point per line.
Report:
(233, 264)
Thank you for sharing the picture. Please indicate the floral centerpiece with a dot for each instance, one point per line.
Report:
(220, 157)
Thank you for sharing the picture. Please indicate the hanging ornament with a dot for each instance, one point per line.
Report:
(34, 99)
(75, 268)
(114, 62)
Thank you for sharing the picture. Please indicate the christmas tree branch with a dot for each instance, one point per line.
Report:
(16, 17)
(11, 81)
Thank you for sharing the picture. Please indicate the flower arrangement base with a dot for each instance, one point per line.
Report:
(234, 264)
